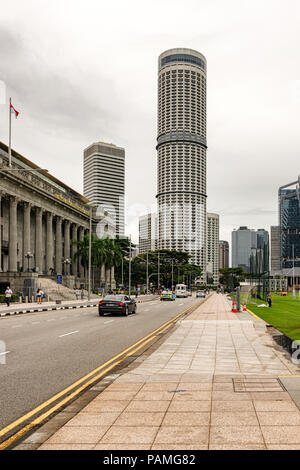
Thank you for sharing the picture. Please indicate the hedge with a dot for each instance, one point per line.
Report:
(14, 298)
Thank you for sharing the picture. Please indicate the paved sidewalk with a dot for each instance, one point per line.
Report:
(213, 384)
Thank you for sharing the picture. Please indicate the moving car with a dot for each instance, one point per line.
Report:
(120, 303)
(167, 295)
(201, 293)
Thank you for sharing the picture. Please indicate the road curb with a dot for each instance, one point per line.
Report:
(47, 309)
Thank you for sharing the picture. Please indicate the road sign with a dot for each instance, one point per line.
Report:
(59, 279)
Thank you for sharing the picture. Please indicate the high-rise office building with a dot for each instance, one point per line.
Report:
(104, 181)
(275, 248)
(147, 233)
(289, 219)
(212, 245)
(223, 254)
(243, 241)
(250, 250)
(263, 243)
(181, 150)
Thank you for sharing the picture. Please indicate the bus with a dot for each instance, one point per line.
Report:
(181, 290)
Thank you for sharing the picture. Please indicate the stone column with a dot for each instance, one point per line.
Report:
(1, 202)
(12, 261)
(26, 234)
(67, 240)
(81, 268)
(38, 239)
(58, 246)
(74, 249)
(49, 252)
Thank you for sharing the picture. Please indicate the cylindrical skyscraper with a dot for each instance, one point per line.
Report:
(181, 149)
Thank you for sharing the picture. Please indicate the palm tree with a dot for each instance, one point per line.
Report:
(113, 255)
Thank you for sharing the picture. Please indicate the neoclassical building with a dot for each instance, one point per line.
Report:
(41, 217)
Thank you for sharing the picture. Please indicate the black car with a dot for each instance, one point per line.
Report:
(117, 304)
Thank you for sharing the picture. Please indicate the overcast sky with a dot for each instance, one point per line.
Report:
(82, 71)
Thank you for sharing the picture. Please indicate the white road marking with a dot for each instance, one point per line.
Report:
(147, 309)
(106, 322)
(17, 326)
(51, 319)
(67, 334)
(35, 322)
(180, 305)
(6, 352)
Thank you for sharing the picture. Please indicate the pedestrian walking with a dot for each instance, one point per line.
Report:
(8, 294)
(77, 293)
(39, 296)
(82, 294)
(269, 299)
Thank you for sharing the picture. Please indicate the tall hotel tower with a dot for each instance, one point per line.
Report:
(181, 148)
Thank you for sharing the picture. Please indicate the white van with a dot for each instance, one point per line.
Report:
(181, 290)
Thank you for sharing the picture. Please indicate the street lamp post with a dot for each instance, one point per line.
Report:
(67, 263)
(90, 255)
(172, 273)
(129, 273)
(147, 273)
(158, 271)
(28, 256)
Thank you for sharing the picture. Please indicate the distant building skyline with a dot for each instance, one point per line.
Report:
(246, 244)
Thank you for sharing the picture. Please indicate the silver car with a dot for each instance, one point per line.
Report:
(201, 294)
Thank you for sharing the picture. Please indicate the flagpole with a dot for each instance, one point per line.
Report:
(9, 143)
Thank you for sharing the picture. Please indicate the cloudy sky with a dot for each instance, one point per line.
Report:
(82, 71)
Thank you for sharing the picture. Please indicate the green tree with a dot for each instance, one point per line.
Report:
(231, 278)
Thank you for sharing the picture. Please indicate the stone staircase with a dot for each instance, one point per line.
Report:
(57, 291)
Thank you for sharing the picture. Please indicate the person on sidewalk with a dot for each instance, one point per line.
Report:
(269, 299)
(8, 294)
(82, 294)
(77, 292)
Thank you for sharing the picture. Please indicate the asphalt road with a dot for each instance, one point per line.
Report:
(46, 352)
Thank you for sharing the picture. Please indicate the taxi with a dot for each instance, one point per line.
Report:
(167, 295)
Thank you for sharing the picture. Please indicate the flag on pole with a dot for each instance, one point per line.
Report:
(14, 111)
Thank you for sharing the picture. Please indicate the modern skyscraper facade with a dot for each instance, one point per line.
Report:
(104, 181)
(223, 254)
(147, 233)
(289, 219)
(181, 151)
(263, 243)
(243, 241)
(212, 245)
(250, 250)
(275, 248)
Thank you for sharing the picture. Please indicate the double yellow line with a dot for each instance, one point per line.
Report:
(88, 380)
